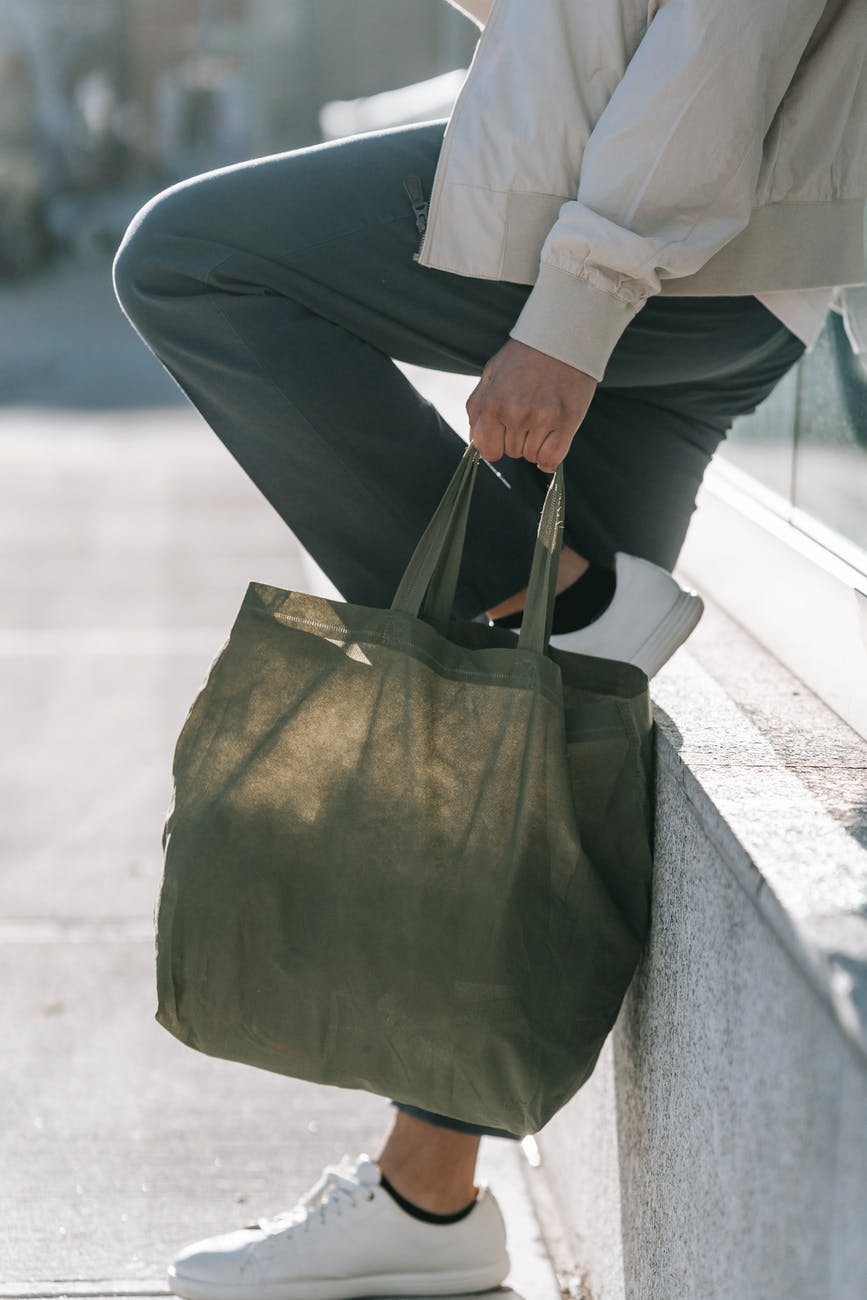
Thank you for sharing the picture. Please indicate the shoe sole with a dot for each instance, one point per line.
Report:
(397, 1284)
(670, 634)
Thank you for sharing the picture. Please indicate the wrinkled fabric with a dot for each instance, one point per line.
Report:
(606, 151)
(406, 853)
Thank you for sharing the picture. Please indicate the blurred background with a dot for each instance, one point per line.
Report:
(98, 97)
(127, 537)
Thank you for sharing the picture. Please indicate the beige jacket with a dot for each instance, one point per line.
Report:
(604, 151)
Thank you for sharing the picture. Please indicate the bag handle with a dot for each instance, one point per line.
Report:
(427, 588)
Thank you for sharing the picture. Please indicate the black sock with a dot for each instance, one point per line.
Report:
(417, 1212)
(577, 605)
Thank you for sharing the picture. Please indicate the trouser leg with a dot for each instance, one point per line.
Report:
(457, 1125)
(680, 374)
(278, 292)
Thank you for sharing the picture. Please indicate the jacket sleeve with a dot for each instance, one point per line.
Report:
(670, 171)
(478, 10)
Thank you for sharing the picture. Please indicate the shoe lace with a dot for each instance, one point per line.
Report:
(332, 1190)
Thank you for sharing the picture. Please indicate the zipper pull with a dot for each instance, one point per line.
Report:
(413, 187)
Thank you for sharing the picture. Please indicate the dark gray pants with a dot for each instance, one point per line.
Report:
(277, 292)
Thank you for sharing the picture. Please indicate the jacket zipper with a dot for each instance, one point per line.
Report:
(413, 187)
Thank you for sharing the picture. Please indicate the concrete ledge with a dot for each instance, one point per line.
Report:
(719, 1149)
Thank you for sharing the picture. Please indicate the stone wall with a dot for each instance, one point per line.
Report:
(720, 1150)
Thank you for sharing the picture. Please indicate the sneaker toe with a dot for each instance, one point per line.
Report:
(221, 1260)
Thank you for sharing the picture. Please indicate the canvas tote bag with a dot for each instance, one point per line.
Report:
(407, 853)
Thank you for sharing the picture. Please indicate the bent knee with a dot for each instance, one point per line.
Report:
(152, 262)
(138, 258)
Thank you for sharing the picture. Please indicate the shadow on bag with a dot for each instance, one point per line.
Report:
(406, 853)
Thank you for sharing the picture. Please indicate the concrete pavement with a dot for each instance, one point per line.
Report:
(127, 537)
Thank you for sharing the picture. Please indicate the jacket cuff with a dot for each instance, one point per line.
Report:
(570, 319)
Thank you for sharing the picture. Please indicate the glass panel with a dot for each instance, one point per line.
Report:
(762, 444)
(830, 481)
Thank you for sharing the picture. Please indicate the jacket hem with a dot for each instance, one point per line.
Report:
(787, 245)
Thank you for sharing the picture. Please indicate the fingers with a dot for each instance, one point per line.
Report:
(553, 451)
(544, 450)
(487, 431)
(495, 432)
(514, 442)
(528, 405)
(489, 435)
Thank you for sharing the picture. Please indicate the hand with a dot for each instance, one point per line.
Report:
(528, 404)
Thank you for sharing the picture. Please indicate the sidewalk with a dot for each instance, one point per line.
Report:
(127, 538)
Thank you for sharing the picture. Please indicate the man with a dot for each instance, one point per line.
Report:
(629, 229)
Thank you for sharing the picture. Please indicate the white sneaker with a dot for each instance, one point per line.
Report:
(347, 1237)
(650, 615)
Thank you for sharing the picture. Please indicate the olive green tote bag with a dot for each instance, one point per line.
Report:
(407, 853)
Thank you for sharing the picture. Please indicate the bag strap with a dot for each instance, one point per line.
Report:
(538, 612)
(427, 588)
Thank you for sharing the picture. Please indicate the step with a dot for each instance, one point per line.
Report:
(719, 1149)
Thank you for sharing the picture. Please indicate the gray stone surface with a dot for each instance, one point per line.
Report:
(108, 626)
(581, 1170)
(805, 736)
(127, 537)
(730, 1077)
(756, 784)
(726, 1135)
